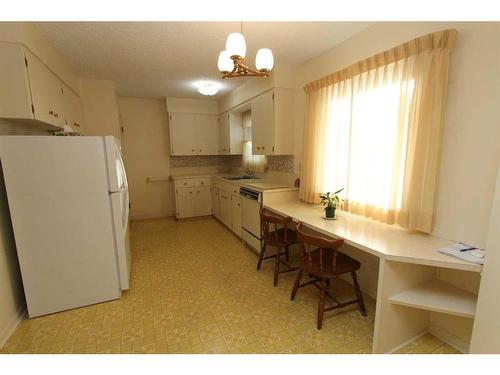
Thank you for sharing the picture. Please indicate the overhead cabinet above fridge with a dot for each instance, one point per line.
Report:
(31, 92)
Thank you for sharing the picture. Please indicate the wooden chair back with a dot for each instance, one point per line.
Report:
(327, 249)
(269, 227)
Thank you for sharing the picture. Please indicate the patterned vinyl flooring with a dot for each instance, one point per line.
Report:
(195, 289)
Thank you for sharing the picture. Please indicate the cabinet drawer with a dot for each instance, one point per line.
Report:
(205, 181)
(187, 182)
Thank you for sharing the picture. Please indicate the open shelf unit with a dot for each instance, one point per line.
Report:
(438, 296)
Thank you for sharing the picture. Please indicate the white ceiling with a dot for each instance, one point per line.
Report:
(159, 59)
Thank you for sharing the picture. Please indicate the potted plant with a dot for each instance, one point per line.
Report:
(330, 201)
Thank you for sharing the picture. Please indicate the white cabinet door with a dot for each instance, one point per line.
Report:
(235, 133)
(215, 202)
(15, 98)
(46, 92)
(207, 134)
(263, 124)
(226, 209)
(203, 201)
(236, 215)
(72, 109)
(224, 134)
(182, 134)
(185, 202)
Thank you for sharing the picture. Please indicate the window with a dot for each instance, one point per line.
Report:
(375, 129)
(366, 133)
(254, 163)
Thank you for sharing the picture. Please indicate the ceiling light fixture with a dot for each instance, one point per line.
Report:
(208, 88)
(232, 60)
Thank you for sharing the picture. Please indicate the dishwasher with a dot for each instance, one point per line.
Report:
(251, 201)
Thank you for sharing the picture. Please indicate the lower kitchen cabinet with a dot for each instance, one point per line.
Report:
(193, 201)
(236, 215)
(215, 202)
(225, 209)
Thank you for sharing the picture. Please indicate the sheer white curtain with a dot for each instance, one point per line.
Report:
(254, 163)
(366, 134)
(375, 130)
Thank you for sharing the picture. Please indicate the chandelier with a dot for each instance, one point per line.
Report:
(232, 60)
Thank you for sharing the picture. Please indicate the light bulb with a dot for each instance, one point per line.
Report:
(235, 45)
(208, 88)
(264, 60)
(225, 63)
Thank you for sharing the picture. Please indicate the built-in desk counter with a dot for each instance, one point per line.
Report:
(410, 298)
(389, 242)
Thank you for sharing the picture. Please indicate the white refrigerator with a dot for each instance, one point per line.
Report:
(69, 205)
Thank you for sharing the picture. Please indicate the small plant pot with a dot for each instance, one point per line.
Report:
(330, 212)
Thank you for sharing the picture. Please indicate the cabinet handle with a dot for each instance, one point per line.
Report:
(238, 204)
(190, 192)
(185, 183)
(263, 147)
(198, 192)
(258, 148)
(51, 112)
(200, 149)
(192, 149)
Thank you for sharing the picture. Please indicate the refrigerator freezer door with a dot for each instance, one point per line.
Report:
(57, 189)
(116, 168)
(120, 210)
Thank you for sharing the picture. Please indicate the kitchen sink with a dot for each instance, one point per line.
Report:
(244, 177)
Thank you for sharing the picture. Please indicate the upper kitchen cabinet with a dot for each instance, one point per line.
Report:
(272, 122)
(15, 97)
(182, 134)
(194, 134)
(46, 92)
(230, 134)
(72, 109)
(207, 134)
(29, 90)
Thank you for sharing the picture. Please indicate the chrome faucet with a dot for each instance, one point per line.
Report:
(249, 172)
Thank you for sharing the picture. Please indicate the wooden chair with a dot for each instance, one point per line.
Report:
(281, 238)
(323, 262)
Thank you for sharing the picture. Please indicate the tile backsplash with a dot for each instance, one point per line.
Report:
(281, 163)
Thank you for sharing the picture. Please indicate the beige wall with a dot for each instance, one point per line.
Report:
(146, 149)
(471, 143)
(206, 106)
(100, 108)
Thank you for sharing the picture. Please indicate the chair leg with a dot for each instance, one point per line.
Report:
(361, 302)
(261, 256)
(277, 266)
(296, 285)
(321, 305)
(287, 254)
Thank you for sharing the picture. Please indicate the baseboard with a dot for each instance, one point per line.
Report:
(407, 342)
(9, 329)
(448, 338)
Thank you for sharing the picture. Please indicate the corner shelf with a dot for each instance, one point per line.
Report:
(438, 296)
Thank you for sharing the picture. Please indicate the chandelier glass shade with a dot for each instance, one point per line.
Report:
(231, 62)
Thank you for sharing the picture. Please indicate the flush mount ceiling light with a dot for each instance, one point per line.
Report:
(207, 88)
(232, 60)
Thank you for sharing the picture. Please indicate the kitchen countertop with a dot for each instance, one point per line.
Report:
(261, 184)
